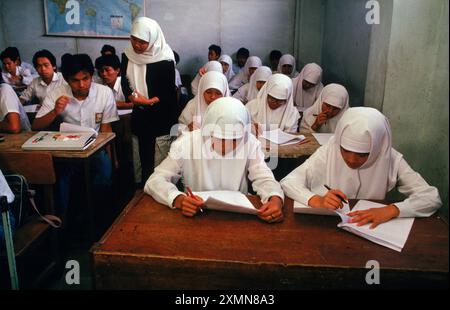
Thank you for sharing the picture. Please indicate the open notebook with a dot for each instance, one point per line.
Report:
(322, 138)
(69, 138)
(280, 137)
(230, 201)
(392, 234)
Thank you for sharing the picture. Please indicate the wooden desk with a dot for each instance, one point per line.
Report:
(293, 150)
(152, 247)
(14, 142)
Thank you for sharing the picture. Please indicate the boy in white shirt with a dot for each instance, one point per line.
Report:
(45, 63)
(13, 118)
(15, 75)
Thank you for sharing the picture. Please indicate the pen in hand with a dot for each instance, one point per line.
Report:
(342, 199)
(191, 194)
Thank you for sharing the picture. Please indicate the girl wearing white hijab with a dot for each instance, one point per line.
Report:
(359, 162)
(148, 81)
(307, 86)
(221, 155)
(250, 90)
(252, 63)
(324, 115)
(213, 85)
(227, 66)
(287, 65)
(274, 106)
(212, 65)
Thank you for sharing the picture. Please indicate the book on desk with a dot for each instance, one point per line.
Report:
(392, 234)
(69, 138)
(230, 201)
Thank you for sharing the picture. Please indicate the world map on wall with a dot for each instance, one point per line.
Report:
(92, 18)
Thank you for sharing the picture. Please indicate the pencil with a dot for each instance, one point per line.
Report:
(342, 199)
(191, 194)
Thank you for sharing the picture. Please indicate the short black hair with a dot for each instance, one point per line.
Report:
(243, 52)
(108, 48)
(107, 60)
(44, 54)
(275, 54)
(11, 53)
(72, 64)
(177, 57)
(215, 48)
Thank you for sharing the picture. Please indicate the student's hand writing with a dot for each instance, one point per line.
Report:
(376, 216)
(330, 201)
(272, 211)
(60, 104)
(189, 206)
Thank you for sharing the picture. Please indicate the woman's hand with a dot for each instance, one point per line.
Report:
(272, 211)
(138, 99)
(320, 120)
(330, 201)
(376, 216)
(189, 206)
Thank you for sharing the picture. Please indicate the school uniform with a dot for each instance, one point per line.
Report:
(192, 158)
(363, 130)
(27, 78)
(196, 107)
(30, 68)
(9, 103)
(286, 116)
(229, 73)
(311, 73)
(249, 91)
(212, 65)
(38, 89)
(288, 59)
(333, 94)
(243, 77)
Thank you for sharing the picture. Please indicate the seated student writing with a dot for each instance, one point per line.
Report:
(241, 58)
(213, 85)
(219, 156)
(324, 115)
(209, 66)
(108, 69)
(13, 118)
(250, 90)
(84, 103)
(274, 106)
(307, 86)
(227, 66)
(243, 77)
(274, 58)
(14, 50)
(359, 162)
(16, 76)
(286, 65)
(45, 63)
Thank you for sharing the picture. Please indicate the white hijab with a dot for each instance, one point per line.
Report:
(212, 171)
(212, 65)
(363, 130)
(285, 117)
(261, 74)
(243, 77)
(148, 30)
(288, 59)
(227, 59)
(333, 94)
(311, 73)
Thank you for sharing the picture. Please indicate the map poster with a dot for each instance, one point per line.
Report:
(91, 18)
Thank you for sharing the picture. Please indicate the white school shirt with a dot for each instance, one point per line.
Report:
(309, 178)
(242, 93)
(30, 68)
(210, 174)
(39, 89)
(27, 78)
(9, 103)
(98, 108)
(117, 90)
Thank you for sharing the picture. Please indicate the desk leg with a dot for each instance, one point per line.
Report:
(89, 198)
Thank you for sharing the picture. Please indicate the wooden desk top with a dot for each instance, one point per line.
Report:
(14, 142)
(146, 229)
(293, 150)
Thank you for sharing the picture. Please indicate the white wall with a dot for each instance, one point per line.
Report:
(190, 26)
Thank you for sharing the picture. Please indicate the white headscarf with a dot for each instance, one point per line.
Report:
(285, 117)
(212, 65)
(148, 30)
(332, 94)
(227, 59)
(261, 74)
(288, 59)
(311, 73)
(243, 77)
(363, 130)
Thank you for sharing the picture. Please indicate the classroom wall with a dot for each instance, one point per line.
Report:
(416, 90)
(190, 26)
(346, 46)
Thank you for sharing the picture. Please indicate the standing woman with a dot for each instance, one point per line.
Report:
(148, 75)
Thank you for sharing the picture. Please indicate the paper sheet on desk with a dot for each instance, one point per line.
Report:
(227, 201)
(322, 138)
(32, 108)
(280, 137)
(303, 209)
(67, 127)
